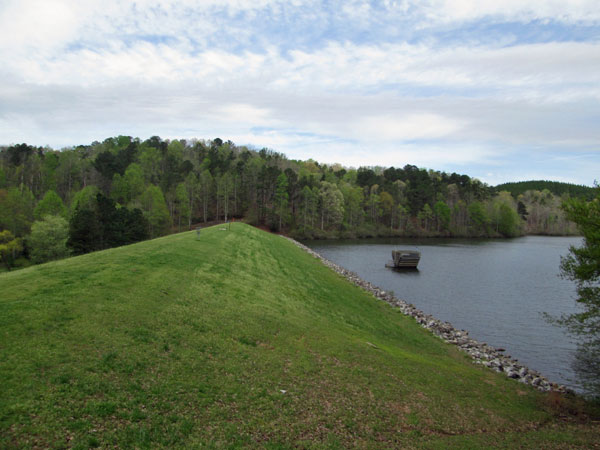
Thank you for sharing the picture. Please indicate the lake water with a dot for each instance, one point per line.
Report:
(498, 290)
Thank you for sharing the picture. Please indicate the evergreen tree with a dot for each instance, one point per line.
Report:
(85, 232)
(522, 210)
(134, 224)
(104, 225)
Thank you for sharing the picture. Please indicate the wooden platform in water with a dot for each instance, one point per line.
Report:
(404, 259)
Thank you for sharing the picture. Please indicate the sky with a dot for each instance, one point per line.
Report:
(498, 90)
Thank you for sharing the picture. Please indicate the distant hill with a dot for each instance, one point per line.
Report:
(556, 187)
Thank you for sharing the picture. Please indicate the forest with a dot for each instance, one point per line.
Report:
(556, 187)
(54, 203)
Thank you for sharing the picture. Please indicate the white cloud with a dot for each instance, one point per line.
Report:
(78, 71)
(552, 71)
(439, 157)
(48, 24)
(240, 113)
(446, 11)
(407, 127)
(36, 23)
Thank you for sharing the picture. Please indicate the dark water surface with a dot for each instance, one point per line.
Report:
(495, 289)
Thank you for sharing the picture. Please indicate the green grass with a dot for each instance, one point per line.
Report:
(179, 342)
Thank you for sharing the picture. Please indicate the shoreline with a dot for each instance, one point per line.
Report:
(319, 235)
(480, 352)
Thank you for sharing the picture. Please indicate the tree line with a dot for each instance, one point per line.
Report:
(122, 190)
(556, 187)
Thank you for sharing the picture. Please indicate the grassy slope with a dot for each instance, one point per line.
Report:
(178, 341)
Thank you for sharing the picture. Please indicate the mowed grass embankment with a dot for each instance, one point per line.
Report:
(240, 339)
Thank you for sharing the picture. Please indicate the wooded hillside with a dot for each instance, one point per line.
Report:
(555, 187)
(123, 190)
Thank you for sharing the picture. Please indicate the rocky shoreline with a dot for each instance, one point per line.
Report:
(481, 353)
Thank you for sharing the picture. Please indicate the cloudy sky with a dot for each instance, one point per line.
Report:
(500, 90)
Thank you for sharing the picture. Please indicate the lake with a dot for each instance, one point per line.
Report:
(497, 289)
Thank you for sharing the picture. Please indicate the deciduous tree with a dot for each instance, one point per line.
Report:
(582, 265)
(16, 210)
(48, 239)
(10, 248)
(332, 204)
(155, 211)
(51, 204)
(504, 216)
(478, 217)
(442, 215)
(182, 205)
(281, 199)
